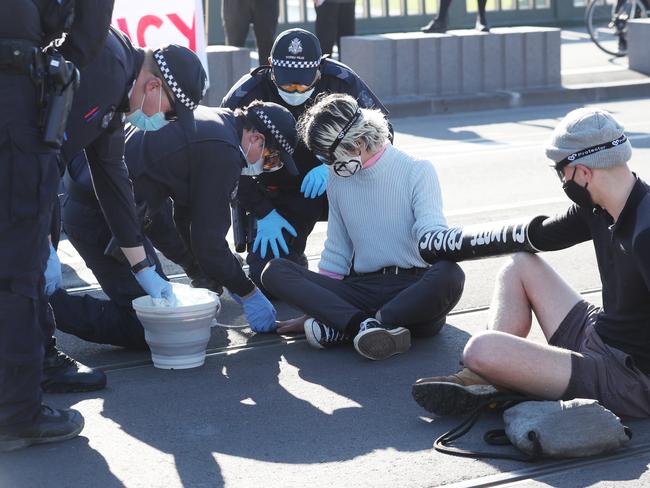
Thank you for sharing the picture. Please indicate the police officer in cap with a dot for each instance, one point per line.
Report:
(200, 171)
(29, 178)
(149, 88)
(288, 206)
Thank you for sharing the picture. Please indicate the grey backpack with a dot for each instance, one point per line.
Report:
(545, 429)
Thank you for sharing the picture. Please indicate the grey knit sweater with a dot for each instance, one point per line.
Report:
(379, 214)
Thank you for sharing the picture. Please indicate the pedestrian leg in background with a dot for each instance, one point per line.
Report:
(346, 22)
(265, 22)
(327, 25)
(236, 17)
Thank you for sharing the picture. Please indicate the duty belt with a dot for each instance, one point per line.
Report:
(18, 56)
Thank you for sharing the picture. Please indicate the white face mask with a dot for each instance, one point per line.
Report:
(295, 99)
(255, 168)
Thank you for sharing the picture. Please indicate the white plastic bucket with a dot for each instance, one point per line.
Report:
(178, 336)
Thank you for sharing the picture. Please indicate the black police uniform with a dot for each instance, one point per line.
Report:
(200, 172)
(96, 125)
(281, 190)
(110, 321)
(29, 178)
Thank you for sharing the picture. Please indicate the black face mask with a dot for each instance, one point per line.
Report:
(578, 194)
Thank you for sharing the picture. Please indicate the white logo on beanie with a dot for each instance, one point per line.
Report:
(295, 47)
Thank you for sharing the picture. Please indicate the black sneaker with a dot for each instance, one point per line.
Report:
(62, 374)
(376, 341)
(436, 26)
(322, 336)
(51, 425)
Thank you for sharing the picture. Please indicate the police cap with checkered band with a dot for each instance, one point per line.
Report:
(185, 77)
(279, 128)
(295, 57)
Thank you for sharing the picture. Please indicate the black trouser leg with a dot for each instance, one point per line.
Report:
(327, 25)
(97, 320)
(425, 303)
(481, 12)
(236, 18)
(29, 178)
(337, 303)
(265, 22)
(346, 22)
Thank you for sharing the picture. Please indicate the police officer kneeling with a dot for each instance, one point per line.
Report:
(200, 172)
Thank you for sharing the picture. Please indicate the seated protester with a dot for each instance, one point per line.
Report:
(200, 171)
(373, 285)
(591, 352)
(294, 203)
(112, 321)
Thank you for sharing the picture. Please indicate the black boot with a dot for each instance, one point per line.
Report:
(62, 374)
(51, 425)
(482, 25)
(438, 26)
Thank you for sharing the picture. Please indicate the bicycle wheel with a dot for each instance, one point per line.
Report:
(607, 25)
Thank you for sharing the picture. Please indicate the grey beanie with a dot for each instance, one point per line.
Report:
(586, 129)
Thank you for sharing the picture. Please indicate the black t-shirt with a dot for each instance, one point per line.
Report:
(623, 255)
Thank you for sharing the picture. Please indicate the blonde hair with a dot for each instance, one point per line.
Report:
(322, 123)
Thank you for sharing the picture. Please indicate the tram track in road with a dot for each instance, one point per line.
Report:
(539, 473)
(275, 341)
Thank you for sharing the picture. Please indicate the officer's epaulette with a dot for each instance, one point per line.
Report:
(331, 67)
(247, 84)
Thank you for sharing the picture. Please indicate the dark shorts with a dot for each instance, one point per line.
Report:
(600, 371)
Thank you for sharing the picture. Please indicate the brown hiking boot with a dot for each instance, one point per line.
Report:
(453, 395)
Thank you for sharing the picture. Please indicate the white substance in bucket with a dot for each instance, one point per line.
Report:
(178, 335)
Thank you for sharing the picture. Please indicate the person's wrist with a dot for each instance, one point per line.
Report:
(147, 262)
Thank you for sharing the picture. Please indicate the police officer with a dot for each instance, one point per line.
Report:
(29, 179)
(288, 206)
(200, 171)
(113, 321)
(150, 88)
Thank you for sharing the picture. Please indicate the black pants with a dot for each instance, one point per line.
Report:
(237, 15)
(418, 301)
(93, 319)
(334, 20)
(29, 179)
(302, 213)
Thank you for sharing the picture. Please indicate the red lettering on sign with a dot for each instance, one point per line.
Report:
(189, 32)
(121, 24)
(146, 22)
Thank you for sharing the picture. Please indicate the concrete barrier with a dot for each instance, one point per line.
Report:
(638, 44)
(459, 62)
(226, 65)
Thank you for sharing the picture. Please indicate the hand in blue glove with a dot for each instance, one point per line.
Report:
(269, 232)
(314, 183)
(155, 286)
(259, 312)
(53, 275)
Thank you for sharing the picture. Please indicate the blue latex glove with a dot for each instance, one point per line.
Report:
(259, 312)
(155, 286)
(53, 275)
(269, 232)
(314, 183)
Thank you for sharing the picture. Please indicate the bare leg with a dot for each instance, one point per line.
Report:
(502, 355)
(527, 283)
